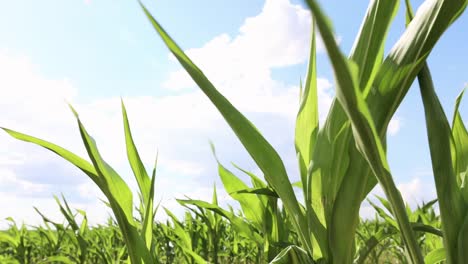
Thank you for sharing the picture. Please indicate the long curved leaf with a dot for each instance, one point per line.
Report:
(259, 149)
(364, 130)
(452, 206)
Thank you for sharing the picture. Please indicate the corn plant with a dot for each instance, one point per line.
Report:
(55, 237)
(78, 235)
(78, 244)
(424, 222)
(106, 244)
(343, 160)
(164, 245)
(137, 236)
(339, 164)
(449, 155)
(185, 239)
(449, 149)
(373, 241)
(238, 223)
(16, 244)
(214, 228)
(260, 211)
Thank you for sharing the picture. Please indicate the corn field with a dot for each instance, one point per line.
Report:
(201, 236)
(340, 162)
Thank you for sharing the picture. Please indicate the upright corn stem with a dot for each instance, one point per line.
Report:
(365, 134)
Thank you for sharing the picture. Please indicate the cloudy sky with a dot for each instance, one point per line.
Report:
(91, 53)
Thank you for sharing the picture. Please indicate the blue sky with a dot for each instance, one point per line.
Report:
(93, 52)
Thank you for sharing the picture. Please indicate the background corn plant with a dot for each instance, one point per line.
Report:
(264, 221)
(136, 235)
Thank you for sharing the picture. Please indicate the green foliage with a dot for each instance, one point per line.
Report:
(137, 236)
(339, 164)
(205, 235)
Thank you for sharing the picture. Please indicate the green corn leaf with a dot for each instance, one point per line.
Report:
(306, 131)
(407, 56)
(66, 212)
(117, 188)
(452, 206)
(259, 191)
(6, 238)
(148, 220)
(214, 199)
(58, 259)
(197, 258)
(463, 241)
(381, 212)
(238, 223)
(184, 241)
(428, 206)
(372, 242)
(427, 229)
(460, 140)
(367, 52)
(435, 256)
(210, 218)
(307, 121)
(180, 231)
(200, 213)
(256, 181)
(74, 159)
(385, 203)
(273, 228)
(298, 184)
(331, 184)
(251, 205)
(137, 250)
(409, 12)
(364, 130)
(259, 149)
(48, 220)
(143, 180)
(110, 183)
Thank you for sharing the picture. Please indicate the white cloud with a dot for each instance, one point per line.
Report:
(35, 104)
(241, 66)
(182, 166)
(325, 98)
(277, 37)
(420, 188)
(417, 190)
(12, 159)
(9, 180)
(394, 126)
(89, 189)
